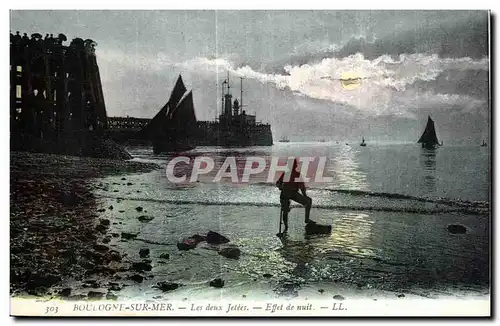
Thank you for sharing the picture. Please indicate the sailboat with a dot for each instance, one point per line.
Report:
(172, 129)
(284, 139)
(363, 142)
(429, 138)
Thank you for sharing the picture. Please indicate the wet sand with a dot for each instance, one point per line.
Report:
(55, 233)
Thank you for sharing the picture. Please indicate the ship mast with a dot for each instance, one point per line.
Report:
(241, 94)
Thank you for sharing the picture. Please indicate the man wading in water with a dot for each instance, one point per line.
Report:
(290, 191)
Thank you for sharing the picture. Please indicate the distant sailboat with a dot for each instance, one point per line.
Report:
(284, 139)
(363, 142)
(429, 138)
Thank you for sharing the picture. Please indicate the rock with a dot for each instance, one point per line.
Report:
(456, 229)
(137, 278)
(401, 295)
(95, 295)
(217, 283)
(77, 297)
(104, 221)
(165, 256)
(140, 267)
(42, 280)
(267, 275)
(216, 238)
(314, 228)
(101, 228)
(145, 218)
(100, 248)
(106, 240)
(338, 297)
(124, 178)
(115, 235)
(144, 252)
(190, 243)
(121, 211)
(126, 235)
(138, 208)
(321, 291)
(230, 252)
(66, 292)
(102, 210)
(111, 296)
(114, 288)
(110, 207)
(115, 190)
(166, 286)
(113, 256)
(129, 183)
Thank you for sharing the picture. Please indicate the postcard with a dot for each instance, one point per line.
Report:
(250, 163)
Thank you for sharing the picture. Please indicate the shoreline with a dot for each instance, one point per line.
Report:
(54, 223)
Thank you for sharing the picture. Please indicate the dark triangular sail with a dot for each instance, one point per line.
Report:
(429, 136)
(160, 120)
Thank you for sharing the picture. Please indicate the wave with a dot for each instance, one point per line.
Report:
(440, 200)
(415, 210)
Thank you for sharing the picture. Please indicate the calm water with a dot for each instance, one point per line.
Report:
(389, 206)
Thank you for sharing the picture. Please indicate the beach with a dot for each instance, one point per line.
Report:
(117, 238)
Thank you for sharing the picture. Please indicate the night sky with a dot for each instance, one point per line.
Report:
(413, 63)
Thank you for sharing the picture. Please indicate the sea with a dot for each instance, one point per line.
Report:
(389, 205)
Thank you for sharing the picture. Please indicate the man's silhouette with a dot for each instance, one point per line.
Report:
(290, 191)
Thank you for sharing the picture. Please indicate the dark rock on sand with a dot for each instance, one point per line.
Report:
(138, 208)
(216, 238)
(129, 183)
(217, 283)
(66, 292)
(230, 252)
(106, 240)
(100, 248)
(114, 287)
(104, 222)
(164, 256)
(101, 210)
(145, 218)
(321, 291)
(126, 235)
(456, 229)
(267, 275)
(42, 280)
(338, 297)
(191, 242)
(137, 278)
(101, 228)
(115, 235)
(401, 295)
(95, 295)
(144, 252)
(111, 296)
(142, 266)
(110, 207)
(167, 286)
(113, 256)
(124, 178)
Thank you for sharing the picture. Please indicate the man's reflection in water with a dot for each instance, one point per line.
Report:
(302, 253)
(428, 163)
